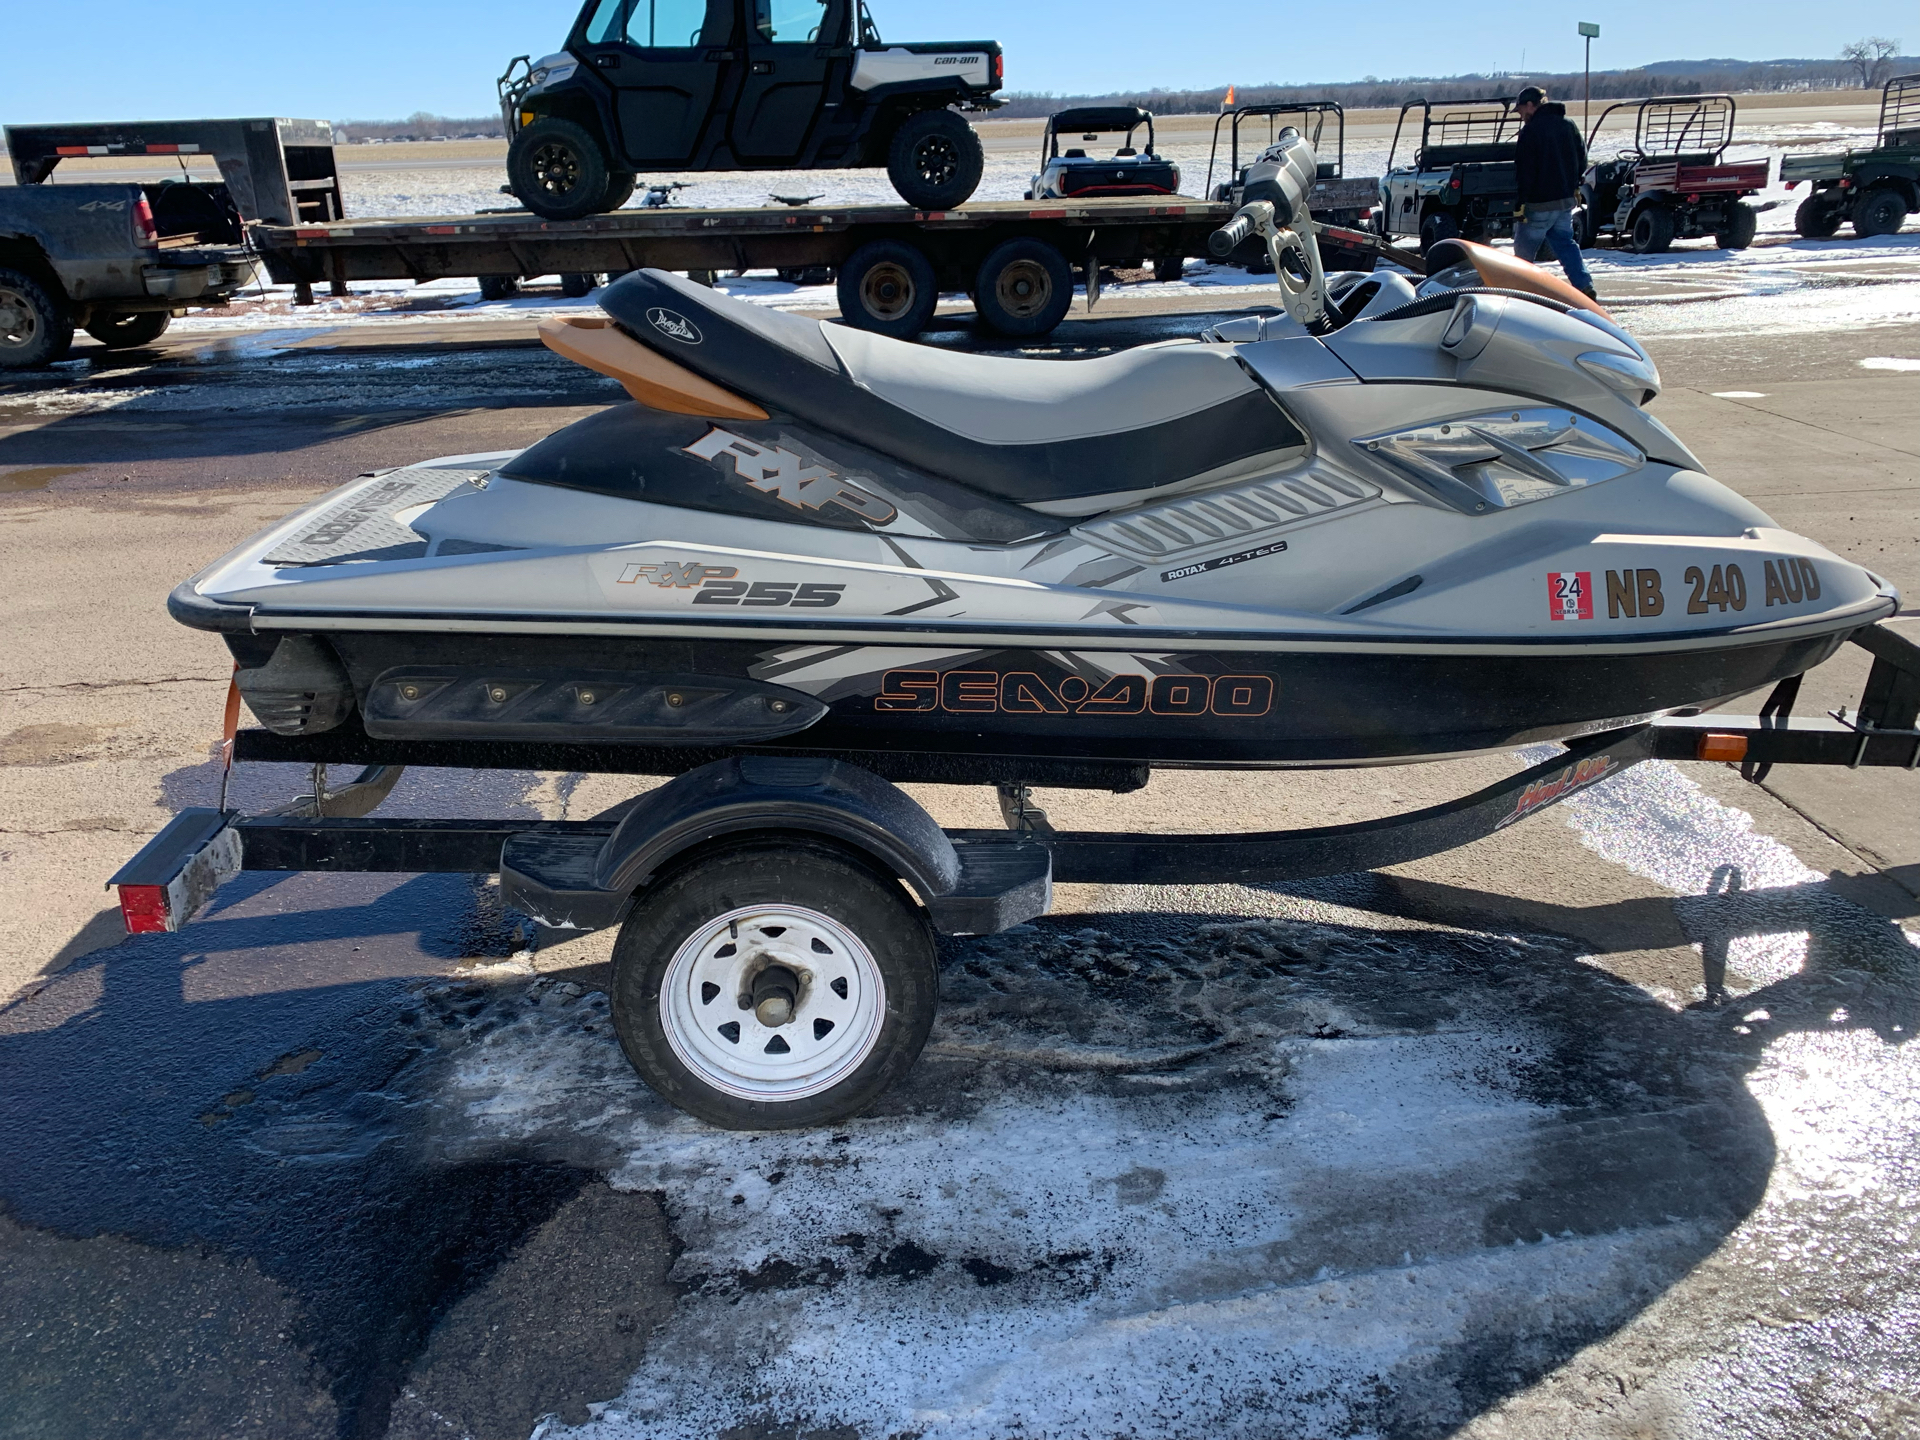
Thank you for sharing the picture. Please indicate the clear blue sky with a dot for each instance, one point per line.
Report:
(378, 59)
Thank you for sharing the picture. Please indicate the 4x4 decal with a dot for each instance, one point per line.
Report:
(789, 478)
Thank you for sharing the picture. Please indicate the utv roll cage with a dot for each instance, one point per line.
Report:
(1093, 120)
(1332, 169)
(1695, 128)
(1465, 131)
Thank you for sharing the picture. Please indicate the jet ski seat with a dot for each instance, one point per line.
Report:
(1029, 431)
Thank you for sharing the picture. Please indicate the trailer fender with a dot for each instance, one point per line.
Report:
(746, 795)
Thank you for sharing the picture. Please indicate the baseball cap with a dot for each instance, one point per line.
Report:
(1532, 95)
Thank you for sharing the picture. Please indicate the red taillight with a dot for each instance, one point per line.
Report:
(144, 908)
(145, 233)
(999, 67)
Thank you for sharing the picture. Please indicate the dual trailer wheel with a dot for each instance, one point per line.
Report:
(768, 986)
(1023, 288)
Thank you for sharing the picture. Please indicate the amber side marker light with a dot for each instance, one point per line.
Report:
(1714, 746)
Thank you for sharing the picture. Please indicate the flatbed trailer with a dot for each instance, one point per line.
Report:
(891, 260)
(836, 832)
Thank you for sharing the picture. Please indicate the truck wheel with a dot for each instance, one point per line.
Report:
(1435, 227)
(888, 287)
(774, 986)
(499, 287)
(1169, 268)
(935, 160)
(35, 328)
(575, 285)
(1742, 221)
(123, 329)
(1652, 231)
(557, 170)
(1024, 287)
(1816, 218)
(1881, 211)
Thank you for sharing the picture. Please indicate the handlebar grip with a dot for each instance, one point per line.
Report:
(1229, 235)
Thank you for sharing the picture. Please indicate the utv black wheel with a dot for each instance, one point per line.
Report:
(1024, 287)
(619, 190)
(1652, 231)
(1743, 221)
(557, 170)
(1434, 228)
(123, 329)
(1169, 268)
(1817, 218)
(888, 287)
(499, 287)
(774, 986)
(1586, 228)
(35, 328)
(935, 160)
(576, 285)
(1879, 212)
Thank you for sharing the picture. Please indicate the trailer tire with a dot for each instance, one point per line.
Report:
(935, 160)
(1817, 219)
(1743, 222)
(1024, 287)
(558, 170)
(1881, 211)
(1169, 268)
(1652, 231)
(576, 285)
(1436, 226)
(499, 287)
(124, 329)
(35, 328)
(888, 287)
(860, 984)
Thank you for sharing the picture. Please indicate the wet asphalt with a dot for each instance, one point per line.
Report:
(344, 1159)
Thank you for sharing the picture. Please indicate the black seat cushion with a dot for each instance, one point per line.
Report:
(1029, 431)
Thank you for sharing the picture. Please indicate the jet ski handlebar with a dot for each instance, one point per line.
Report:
(1227, 238)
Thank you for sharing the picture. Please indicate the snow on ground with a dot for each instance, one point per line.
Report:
(1313, 1174)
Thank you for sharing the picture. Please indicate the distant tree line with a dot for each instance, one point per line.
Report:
(419, 126)
(1669, 77)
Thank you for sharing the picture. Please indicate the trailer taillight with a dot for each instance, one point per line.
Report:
(999, 67)
(144, 908)
(145, 233)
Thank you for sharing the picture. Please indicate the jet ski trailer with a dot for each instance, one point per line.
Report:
(809, 564)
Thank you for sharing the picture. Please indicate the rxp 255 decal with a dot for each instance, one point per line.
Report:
(788, 477)
(1022, 692)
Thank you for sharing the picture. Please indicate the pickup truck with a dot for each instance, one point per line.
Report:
(120, 259)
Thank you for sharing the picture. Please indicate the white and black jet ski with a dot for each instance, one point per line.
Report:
(1389, 524)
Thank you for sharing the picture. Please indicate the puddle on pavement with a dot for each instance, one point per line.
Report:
(34, 477)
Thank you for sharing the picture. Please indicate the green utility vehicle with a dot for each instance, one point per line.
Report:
(1876, 188)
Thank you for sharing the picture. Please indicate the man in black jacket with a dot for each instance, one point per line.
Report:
(1549, 161)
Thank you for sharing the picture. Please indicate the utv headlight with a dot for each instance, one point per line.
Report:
(1504, 458)
(1633, 377)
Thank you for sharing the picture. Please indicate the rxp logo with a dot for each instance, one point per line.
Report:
(674, 326)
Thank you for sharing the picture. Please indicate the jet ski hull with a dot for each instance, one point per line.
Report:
(1165, 707)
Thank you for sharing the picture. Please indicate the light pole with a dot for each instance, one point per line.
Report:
(1591, 32)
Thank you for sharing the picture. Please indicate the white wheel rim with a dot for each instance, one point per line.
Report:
(835, 1024)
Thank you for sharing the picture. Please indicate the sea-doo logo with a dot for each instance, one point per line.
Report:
(788, 477)
(676, 574)
(1022, 692)
(674, 325)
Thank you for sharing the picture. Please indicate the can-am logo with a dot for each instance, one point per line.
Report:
(674, 326)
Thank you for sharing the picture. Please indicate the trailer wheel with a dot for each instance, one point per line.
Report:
(1024, 287)
(1742, 223)
(35, 328)
(1817, 218)
(1652, 231)
(772, 986)
(123, 329)
(499, 287)
(935, 160)
(1437, 226)
(1881, 211)
(1169, 268)
(888, 287)
(574, 285)
(557, 170)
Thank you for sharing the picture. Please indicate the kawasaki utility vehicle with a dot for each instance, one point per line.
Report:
(650, 85)
(1461, 181)
(1672, 181)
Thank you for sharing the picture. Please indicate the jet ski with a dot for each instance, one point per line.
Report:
(1391, 521)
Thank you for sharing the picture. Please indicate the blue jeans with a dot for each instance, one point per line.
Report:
(1555, 227)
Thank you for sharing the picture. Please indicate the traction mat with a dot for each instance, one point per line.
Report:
(362, 527)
